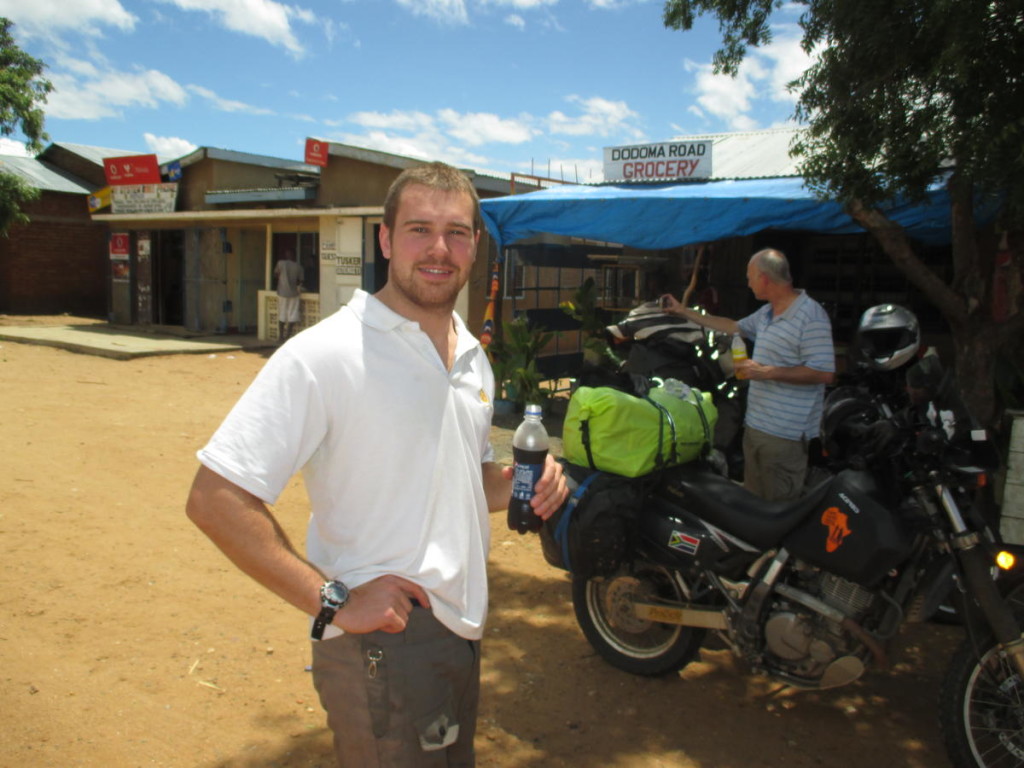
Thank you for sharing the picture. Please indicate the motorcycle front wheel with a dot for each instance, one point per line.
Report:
(982, 708)
(604, 611)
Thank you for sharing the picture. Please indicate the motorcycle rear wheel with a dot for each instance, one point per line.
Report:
(981, 709)
(604, 611)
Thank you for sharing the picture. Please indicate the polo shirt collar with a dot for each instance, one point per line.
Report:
(794, 306)
(372, 312)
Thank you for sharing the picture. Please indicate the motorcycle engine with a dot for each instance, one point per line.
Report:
(811, 648)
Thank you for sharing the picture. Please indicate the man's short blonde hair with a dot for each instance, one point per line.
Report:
(439, 176)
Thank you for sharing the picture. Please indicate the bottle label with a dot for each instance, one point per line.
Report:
(524, 478)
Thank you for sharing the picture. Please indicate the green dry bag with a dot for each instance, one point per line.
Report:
(617, 432)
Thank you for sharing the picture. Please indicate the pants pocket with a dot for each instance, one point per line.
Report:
(438, 729)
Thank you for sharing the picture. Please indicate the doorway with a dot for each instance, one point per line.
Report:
(375, 277)
(168, 248)
(306, 247)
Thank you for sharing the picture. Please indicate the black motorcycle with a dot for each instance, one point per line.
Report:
(811, 591)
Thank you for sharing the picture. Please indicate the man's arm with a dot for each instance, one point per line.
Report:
(714, 322)
(244, 529)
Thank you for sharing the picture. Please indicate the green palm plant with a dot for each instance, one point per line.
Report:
(514, 361)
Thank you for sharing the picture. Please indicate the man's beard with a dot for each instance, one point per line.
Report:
(424, 295)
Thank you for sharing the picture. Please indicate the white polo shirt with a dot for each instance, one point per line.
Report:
(390, 444)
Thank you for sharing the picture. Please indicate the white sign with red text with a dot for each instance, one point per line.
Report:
(667, 161)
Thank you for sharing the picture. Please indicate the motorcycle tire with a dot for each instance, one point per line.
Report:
(981, 709)
(604, 611)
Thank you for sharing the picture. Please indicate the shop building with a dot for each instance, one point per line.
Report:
(208, 264)
(57, 262)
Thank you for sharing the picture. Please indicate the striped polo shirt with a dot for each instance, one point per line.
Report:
(802, 335)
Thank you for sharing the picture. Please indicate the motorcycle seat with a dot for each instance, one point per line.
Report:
(731, 507)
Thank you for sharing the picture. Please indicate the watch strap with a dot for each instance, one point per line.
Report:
(329, 606)
(325, 617)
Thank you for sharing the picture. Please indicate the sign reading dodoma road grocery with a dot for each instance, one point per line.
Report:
(668, 161)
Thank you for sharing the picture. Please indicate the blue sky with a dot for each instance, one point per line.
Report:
(537, 86)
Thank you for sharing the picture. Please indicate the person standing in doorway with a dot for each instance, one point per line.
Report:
(288, 274)
(386, 408)
(793, 361)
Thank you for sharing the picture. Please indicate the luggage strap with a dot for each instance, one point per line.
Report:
(562, 529)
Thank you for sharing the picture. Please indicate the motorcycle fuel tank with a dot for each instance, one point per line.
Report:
(851, 534)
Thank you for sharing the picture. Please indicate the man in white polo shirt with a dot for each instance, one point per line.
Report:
(386, 408)
(794, 359)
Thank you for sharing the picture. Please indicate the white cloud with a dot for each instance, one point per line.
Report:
(785, 61)
(427, 145)
(42, 18)
(520, 5)
(611, 5)
(394, 121)
(515, 20)
(266, 19)
(600, 117)
(445, 11)
(107, 93)
(476, 128)
(228, 105)
(762, 76)
(12, 147)
(168, 146)
(727, 98)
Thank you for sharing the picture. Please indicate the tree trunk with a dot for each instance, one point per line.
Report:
(976, 337)
(975, 347)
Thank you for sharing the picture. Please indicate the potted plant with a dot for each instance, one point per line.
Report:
(583, 307)
(514, 362)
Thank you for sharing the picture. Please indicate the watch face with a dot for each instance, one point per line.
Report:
(334, 593)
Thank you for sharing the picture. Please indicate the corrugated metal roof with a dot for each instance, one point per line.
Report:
(247, 158)
(42, 175)
(98, 154)
(750, 154)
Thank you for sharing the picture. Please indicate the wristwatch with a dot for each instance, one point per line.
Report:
(333, 596)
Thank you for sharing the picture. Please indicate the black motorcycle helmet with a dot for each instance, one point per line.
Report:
(847, 413)
(888, 335)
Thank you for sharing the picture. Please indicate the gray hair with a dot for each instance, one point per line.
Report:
(773, 265)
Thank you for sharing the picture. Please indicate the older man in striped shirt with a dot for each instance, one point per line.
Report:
(793, 361)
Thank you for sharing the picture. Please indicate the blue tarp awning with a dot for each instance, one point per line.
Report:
(670, 215)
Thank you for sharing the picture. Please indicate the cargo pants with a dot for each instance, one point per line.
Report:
(404, 700)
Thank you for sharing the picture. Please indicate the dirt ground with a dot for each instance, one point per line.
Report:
(126, 639)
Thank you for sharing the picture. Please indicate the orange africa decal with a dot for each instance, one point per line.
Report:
(838, 529)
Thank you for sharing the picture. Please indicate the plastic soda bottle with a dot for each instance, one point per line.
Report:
(529, 449)
(739, 354)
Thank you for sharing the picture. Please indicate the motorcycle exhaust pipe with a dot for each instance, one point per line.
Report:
(704, 618)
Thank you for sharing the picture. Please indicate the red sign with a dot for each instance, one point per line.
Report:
(119, 244)
(136, 169)
(316, 152)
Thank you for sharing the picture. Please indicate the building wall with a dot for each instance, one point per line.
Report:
(348, 182)
(212, 174)
(57, 263)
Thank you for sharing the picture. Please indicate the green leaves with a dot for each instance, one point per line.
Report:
(514, 361)
(22, 90)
